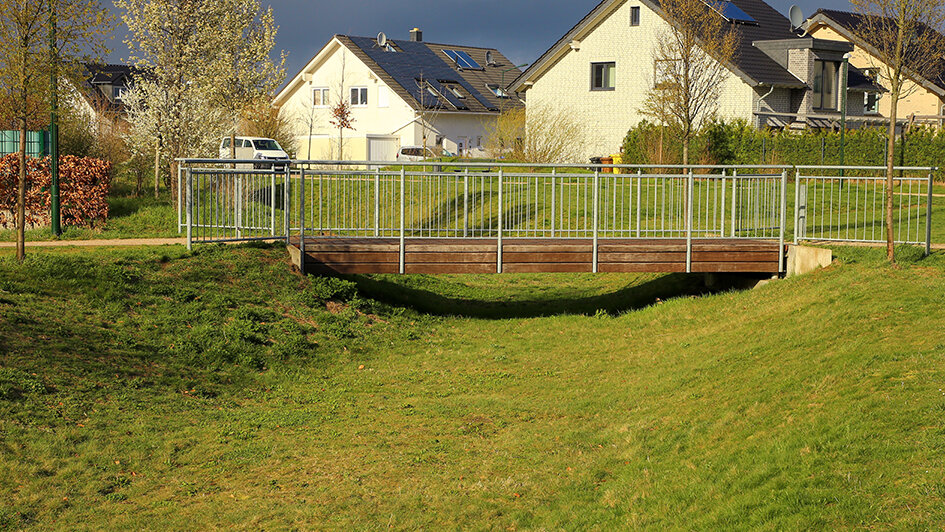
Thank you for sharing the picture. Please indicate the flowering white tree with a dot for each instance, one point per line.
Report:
(203, 62)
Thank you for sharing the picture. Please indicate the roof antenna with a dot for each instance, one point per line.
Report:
(381, 39)
(797, 19)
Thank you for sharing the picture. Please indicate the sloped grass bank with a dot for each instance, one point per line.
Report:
(158, 389)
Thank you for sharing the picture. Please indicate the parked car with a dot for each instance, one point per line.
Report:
(414, 153)
(267, 151)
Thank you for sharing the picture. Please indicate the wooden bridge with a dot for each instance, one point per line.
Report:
(355, 218)
(329, 255)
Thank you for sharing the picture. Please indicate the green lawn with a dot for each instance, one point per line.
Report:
(129, 216)
(156, 389)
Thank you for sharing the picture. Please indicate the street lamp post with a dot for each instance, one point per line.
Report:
(510, 69)
(844, 82)
(54, 212)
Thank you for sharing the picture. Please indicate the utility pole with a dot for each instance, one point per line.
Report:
(54, 214)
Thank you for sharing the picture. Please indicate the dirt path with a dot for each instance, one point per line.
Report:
(100, 243)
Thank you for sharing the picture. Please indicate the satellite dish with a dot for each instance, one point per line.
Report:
(381, 39)
(796, 16)
(489, 59)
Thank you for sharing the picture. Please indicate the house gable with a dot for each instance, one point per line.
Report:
(842, 25)
(750, 64)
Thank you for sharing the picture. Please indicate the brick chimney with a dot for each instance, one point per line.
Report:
(416, 35)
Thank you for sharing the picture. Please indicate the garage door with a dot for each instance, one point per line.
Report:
(383, 148)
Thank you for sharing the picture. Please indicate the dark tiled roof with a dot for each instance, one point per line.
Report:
(414, 61)
(855, 23)
(753, 62)
(750, 62)
(96, 75)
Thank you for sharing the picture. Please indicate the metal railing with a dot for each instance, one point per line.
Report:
(848, 204)
(508, 200)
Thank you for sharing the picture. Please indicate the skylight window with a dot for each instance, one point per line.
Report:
(730, 11)
(497, 90)
(462, 59)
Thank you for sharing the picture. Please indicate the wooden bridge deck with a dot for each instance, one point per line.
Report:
(535, 255)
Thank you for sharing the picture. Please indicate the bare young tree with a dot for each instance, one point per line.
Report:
(429, 109)
(690, 63)
(542, 135)
(904, 37)
(26, 65)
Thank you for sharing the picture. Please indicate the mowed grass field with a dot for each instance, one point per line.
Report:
(158, 389)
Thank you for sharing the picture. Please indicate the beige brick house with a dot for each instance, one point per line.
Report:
(922, 96)
(401, 93)
(601, 70)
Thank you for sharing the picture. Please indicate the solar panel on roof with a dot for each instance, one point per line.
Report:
(462, 59)
(452, 55)
(469, 61)
(731, 12)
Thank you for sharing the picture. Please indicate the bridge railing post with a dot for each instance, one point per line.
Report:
(302, 220)
(466, 202)
(722, 209)
(783, 223)
(554, 200)
(928, 216)
(734, 200)
(286, 199)
(498, 267)
(689, 190)
(797, 205)
(180, 199)
(189, 206)
(377, 202)
(403, 249)
(272, 201)
(595, 218)
(639, 200)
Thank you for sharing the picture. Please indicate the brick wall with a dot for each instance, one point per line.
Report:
(607, 115)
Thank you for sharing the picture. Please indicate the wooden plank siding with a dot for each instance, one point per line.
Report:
(520, 255)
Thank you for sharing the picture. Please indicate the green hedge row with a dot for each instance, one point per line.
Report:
(739, 143)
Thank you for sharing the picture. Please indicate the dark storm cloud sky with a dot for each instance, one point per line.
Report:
(520, 29)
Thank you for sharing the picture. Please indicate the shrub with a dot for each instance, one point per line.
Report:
(84, 184)
(739, 143)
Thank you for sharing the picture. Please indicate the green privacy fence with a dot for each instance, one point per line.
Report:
(37, 143)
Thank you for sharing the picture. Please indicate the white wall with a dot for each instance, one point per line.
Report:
(607, 115)
(337, 69)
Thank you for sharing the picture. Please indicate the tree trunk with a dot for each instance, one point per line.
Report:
(890, 158)
(157, 167)
(21, 196)
(233, 147)
(685, 150)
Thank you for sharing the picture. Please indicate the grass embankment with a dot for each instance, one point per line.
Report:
(157, 389)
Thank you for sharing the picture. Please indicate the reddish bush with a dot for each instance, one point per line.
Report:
(83, 190)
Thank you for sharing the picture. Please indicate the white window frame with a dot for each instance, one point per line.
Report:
(362, 96)
(608, 76)
(874, 110)
(323, 94)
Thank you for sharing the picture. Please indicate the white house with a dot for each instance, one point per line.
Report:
(401, 93)
(602, 69)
